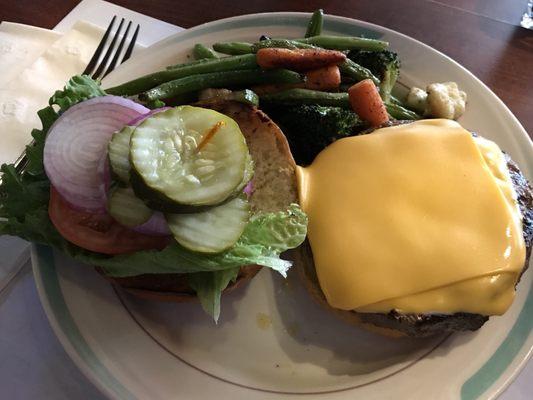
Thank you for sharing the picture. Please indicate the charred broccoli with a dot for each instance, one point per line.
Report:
(310, 128)
(384, 64)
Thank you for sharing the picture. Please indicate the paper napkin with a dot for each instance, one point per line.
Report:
(20, 46)
(30, 89)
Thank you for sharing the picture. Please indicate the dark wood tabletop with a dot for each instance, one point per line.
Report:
(482, 35)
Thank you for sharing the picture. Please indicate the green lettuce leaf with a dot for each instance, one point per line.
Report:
(34, 152)
(263, 239)
(209, 286)
(261, 243)
(277, 231)
(77, 89)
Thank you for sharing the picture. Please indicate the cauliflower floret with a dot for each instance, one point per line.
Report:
(439, 100)
(417, 99)
(445, 100)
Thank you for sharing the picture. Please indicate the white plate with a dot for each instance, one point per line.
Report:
(272, 341)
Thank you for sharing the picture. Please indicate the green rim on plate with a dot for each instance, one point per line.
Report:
(478, 383)
(45, 263)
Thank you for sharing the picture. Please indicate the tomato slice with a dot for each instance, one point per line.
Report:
(98, 232)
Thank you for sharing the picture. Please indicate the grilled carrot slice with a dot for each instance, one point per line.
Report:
(298, 59)
(366, 102)
(326, 78)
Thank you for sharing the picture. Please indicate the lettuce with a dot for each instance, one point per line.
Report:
(24, 200)
(209, 286)
(263, 239)
(77, 89)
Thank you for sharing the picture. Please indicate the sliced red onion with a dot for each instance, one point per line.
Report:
(155, 226)
(141, 118)
(248, 189)
(104, 175)
(76, 143)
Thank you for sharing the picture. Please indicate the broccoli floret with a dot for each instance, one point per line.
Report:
(384, 64)
(310, 128)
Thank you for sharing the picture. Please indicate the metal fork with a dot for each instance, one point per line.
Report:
(99, 69)
(99, 66)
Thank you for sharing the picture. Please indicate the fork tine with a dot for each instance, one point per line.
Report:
(114, 61)
(129, 50)
(100, 48)
(97, 74)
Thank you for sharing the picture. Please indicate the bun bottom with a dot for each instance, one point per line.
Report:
(171, 287)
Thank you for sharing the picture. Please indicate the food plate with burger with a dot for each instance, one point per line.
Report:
(180, 180)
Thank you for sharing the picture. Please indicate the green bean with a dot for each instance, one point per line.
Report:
(395, 100)
(356, 72)
(345, 43)
(280, 43)
(233, 48)
(195, 62)
(200, 52)
(307, 96)
(396, 111)
(243, 62)
(184, 98)
(326, 42)
(245, 96)
(155, 104)
(314, 28)
(219, 79)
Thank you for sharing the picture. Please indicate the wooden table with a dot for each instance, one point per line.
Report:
(482, 35)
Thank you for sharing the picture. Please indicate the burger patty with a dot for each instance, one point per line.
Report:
(420, 325)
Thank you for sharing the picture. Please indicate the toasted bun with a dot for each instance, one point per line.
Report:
(395, 324)
(274, 184)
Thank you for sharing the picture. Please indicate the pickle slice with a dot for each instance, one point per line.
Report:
(127, 208)
(188, 156)
(119, 153)
(213, 230)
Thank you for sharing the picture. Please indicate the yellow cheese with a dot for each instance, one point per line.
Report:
(419, 217)
(487, 295)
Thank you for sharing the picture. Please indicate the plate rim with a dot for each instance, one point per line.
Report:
(47, 281)
(42, 254)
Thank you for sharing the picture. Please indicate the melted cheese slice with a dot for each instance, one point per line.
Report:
(419, 218)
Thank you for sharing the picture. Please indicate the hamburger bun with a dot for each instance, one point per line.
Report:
(274, 189)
